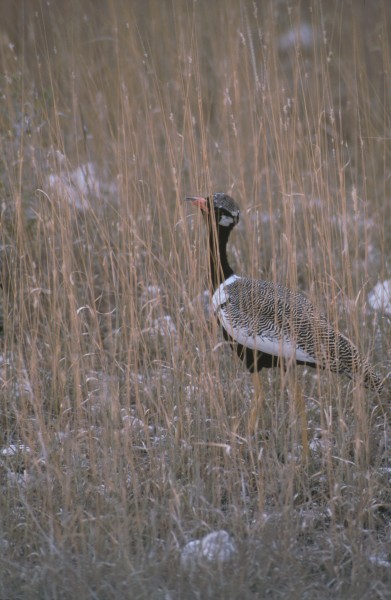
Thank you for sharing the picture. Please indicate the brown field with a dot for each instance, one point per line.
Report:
(126, 425)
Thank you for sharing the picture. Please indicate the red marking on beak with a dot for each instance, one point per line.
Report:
(199, 201)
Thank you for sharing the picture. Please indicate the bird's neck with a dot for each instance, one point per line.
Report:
(220, 269)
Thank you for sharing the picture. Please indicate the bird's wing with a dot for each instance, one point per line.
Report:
(263, 317)
(273, 319)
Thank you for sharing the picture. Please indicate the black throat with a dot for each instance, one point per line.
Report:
(220, 269)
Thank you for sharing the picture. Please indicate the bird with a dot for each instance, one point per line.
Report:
(270, 325)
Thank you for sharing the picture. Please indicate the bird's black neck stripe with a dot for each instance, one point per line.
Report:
(220, 269)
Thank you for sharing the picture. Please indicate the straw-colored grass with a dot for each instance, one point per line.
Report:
(127, 427)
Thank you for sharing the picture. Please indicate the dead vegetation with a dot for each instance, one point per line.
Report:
(124, 418)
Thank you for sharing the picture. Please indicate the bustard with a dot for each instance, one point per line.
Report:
(267, 323)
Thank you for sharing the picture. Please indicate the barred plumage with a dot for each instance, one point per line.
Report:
(267, 323)
(273, 320)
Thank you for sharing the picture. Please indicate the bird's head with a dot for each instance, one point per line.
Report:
(221, 206)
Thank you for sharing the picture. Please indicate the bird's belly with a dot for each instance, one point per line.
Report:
(276, 346)
(272, 342)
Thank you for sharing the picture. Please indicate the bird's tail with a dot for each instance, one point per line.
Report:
(355, 366)
(372, 380)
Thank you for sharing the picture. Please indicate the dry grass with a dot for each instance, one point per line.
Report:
(129, 419)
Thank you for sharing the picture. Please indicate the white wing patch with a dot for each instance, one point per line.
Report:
(277, 346)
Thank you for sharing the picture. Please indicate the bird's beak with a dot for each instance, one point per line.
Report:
(199, 201)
